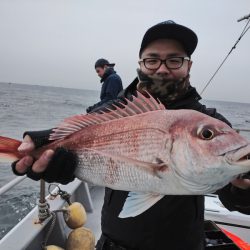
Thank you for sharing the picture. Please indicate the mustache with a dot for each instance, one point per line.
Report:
(165, 80)
(159, 77)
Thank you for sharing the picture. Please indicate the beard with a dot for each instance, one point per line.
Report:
(166, 90)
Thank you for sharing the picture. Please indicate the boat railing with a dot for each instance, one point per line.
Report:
(30, 233)
(12, 184)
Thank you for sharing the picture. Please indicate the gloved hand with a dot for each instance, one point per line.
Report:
(88, 109)
(235, 198)
(58, 166)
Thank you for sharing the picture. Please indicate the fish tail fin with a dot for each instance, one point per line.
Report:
(8, 149)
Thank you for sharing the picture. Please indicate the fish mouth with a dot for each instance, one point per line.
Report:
(239, 157)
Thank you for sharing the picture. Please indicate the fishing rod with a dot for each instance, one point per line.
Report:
(246, 28)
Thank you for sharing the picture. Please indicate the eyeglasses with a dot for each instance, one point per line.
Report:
(171, 63)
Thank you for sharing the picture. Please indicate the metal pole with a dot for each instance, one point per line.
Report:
(244, 17)
(43, 206)
(42, 191)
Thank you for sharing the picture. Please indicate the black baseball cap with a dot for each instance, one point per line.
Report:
(170, 29)
(102, 62)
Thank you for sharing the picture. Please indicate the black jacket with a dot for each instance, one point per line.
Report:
(175, 222)
(111, 86)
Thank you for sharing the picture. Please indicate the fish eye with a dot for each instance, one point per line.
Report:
(207, 134)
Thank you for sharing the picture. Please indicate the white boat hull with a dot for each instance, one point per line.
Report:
(235, 222)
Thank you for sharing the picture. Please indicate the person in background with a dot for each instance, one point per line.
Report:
(111, 83)
(176, 222)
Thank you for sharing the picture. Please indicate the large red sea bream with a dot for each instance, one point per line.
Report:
(143, 148)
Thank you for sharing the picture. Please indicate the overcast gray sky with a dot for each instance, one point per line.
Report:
(56, 42)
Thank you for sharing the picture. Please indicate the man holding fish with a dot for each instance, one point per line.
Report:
(204, 154)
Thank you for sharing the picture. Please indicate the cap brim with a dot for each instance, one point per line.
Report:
(111, 64)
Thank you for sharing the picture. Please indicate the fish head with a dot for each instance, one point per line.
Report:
(206, 153)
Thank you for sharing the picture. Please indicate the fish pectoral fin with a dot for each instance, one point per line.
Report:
(160, 166)
(137, 203)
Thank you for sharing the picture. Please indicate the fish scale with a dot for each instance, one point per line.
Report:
(128, 144)
(145, 147)
(118, 175)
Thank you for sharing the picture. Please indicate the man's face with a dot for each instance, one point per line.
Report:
(164, 49)
(100, 71)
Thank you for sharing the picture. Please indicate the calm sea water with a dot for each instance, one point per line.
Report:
(30, 107)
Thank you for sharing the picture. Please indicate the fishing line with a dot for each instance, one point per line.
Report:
(246, 28)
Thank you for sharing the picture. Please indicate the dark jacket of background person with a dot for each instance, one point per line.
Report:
(111, 86)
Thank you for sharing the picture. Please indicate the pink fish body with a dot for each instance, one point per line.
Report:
(147, 149)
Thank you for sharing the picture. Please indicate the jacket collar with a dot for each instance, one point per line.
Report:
(108, 72)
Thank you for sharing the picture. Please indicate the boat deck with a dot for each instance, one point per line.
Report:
(28, 235)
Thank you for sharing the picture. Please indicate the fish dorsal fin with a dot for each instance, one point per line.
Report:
(138, 105)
